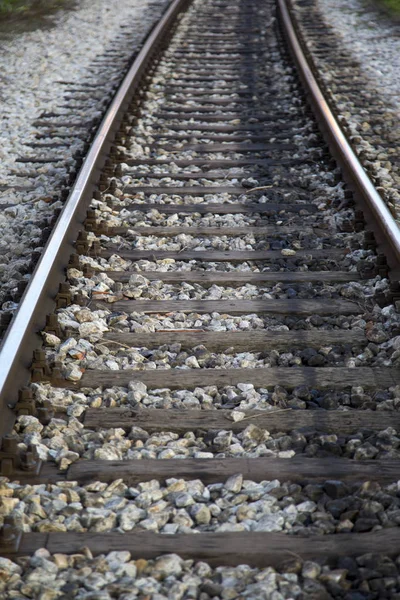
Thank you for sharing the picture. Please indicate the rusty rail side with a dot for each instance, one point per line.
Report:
(378, 216)
(38, 299)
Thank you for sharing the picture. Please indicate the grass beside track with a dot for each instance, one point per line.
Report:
(392, 5)
(26, 7)
(12, 6)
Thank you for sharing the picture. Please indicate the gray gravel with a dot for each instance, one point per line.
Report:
(65, 440)
(89, 351)
(244, 396)
(81, 354)
(32, 63)
(234, 505)
(376, 44)
(371, 39)
(169, 577)
(180, 506)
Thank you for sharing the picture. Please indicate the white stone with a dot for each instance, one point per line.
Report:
(237, 415)
(50, 339)
(67, 345)
(201, 514)
(274, 522)
(307, 506)
(130, 516)
(72, 372)
(234, 483)
(170, 564)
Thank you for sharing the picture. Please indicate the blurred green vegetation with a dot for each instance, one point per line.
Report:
(13, 6)
(28, 13)
(393, 5)
(28, 7)
(7, 5)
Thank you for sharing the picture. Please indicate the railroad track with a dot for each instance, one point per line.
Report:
(223, 355)
(370, 124)
(54, 152)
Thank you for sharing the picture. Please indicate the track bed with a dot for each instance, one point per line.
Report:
(218, 383)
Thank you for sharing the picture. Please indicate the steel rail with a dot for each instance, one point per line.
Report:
(38, 299)
(377, 214)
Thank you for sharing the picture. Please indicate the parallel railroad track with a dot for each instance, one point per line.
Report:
(218, 357)
(370, 124)
(53, 153)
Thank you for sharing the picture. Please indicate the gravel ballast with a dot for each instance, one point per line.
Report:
(180, 506)
(66, 440)
(89, 342)
(33, 64)
(359, 66)
(170, 577)
(242, 397)
(376, 44)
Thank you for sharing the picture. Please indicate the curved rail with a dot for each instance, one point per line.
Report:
(18, 345)
(381, 220)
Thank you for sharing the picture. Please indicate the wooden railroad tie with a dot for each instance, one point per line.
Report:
(288, 377)
(258, 549)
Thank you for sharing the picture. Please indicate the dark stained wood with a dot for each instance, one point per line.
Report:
(227, 114)
(222, 39)
(188, 190)
(190, 70)
(192, 190)
(219, 255)
(3, 206)
(221, 128)
(219, 209)
(239, 340)
(185, 93)
(299, 469)
(209, 99)
(268, 230)
(288, 377)
(218, 50)
(214, 138)
(38, 160)
(215, 147)
(228, 66)
(234, 307)
(225, 163)
(229, 28)
(238, 278)
(215, 175)
(223, 117)
(18, 188)
(210, 49)
(182, 420)
(27, 545)
(227, 46)
(258, 549)
(189, 67)
(198, 78)
(260, 135)
(185, 176)
(217, 56)
(219, 95)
